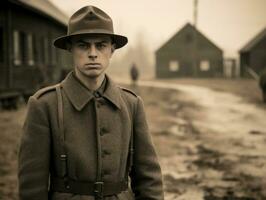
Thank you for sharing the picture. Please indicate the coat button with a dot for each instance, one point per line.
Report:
(103, 131)
(97, 94)
(105, 152)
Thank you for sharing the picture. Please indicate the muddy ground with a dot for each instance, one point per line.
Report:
(211, 145)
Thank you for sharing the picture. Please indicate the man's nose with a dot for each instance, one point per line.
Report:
(93, 52)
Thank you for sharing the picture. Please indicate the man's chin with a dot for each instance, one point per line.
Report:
(92, 74)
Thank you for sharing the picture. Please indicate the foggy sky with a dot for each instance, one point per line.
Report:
(228, 23)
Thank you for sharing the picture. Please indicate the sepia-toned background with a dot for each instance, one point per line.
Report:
(201, 68)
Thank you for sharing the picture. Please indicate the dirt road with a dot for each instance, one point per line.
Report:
(215, 146)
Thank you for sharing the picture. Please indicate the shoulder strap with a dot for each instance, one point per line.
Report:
(131, 150)
(63, 156)
(60, 112)
(130, 153)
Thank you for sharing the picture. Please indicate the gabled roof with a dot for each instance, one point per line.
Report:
(44, 7)
(254, 41)
(188, 25)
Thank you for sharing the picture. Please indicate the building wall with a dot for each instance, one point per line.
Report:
(254, 59)
(258, 57)
(244, 61)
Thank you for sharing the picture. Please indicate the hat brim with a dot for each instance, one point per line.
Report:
(61, 42)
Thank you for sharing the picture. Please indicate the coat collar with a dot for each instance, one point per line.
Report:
(79, 95)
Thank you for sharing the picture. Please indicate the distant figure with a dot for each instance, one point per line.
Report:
(134, 73)
(262, 83)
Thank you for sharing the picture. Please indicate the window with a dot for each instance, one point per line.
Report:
(204, 65)
(36, 53)
(19, 47)
(16, 48)
(173, 65)
(30, 54)
(23, 46)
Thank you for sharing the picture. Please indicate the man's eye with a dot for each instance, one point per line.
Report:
(100, 46)
(82, 46)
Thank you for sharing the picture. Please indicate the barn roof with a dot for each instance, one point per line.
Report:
(253, 42)
(44, 7)
(188, 25)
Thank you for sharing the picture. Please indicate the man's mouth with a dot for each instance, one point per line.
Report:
(93, 65)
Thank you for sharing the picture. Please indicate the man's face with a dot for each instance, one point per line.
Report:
(91, 54)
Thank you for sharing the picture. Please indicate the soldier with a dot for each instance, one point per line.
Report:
(134, 73)
(86, 137)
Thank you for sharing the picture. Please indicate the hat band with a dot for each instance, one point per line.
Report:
(91, 31)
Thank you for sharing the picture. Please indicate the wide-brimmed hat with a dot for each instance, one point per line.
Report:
(90, 20)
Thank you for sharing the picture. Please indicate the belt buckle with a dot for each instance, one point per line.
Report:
(98, 189)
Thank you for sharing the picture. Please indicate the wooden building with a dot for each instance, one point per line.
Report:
(253, 56)
(28, 59)
(189, 54)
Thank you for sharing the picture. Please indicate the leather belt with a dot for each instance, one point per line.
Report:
(87, 188)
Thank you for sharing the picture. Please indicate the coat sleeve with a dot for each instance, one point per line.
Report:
(146, 176)
(34, 153)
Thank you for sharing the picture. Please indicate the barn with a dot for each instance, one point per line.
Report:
(28, 59)
(253, 56)
(189, 54)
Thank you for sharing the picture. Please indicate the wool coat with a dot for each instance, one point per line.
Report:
(119, 111)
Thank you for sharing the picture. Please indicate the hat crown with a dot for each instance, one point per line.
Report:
(90, 19)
